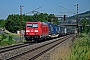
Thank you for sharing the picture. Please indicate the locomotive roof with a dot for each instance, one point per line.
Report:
(38, 22)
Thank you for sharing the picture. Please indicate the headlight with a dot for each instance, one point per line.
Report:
(27, 30)
(36, 30)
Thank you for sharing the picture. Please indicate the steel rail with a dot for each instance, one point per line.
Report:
(9, 48)
(31, 50)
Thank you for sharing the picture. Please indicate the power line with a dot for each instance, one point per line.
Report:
(56, 5)
(27, 7)
(67, 10)
(34, 10)
(18, 3)
(38, 8)
(51, 5)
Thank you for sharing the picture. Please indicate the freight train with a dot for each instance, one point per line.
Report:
(36, 31)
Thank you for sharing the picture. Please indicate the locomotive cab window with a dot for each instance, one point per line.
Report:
(29, 25)
(35, 25)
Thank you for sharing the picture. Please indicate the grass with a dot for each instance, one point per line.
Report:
(6, 42)
(81, 48)
(61, 52)
(78, 50)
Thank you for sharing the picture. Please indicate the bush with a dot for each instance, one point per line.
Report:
(81, 48)
(6, 41)
(81, 35)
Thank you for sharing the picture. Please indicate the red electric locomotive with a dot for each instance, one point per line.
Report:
(36, 31)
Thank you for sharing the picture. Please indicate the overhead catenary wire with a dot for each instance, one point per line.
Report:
(67, 10)
(63, 8)
(56, 5)
(52, 6)
(34, 10)
(27, 7)
(19, 4)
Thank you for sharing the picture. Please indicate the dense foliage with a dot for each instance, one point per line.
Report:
(2, 23)
(14, 22)
(6, 41)
(81, 48)
(85, 25)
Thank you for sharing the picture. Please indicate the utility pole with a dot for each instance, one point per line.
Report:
(21, 20)
(64, 17)
(77, 19)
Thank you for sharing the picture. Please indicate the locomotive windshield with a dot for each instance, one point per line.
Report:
(35, 25)
(29, 25)
(32, 25)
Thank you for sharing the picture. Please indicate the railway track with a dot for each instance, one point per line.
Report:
(34, 53)
(9, 48)
(9, 51)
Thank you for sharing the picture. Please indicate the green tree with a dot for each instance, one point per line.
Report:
(53, 19)
(85, 24)
(2, 23)
(43, 17)
(13, 23)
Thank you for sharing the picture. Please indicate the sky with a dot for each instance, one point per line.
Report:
(48, 6)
